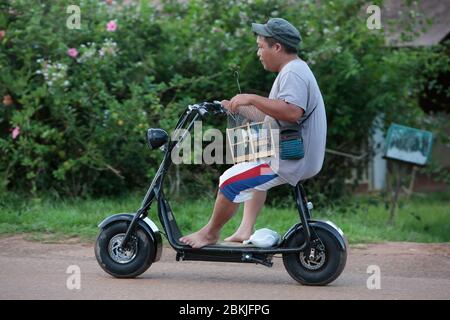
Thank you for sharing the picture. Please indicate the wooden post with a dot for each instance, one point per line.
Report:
(396, 191)
(410, 189)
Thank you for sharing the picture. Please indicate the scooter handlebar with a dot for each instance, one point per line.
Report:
(214, 108)
(202, 111)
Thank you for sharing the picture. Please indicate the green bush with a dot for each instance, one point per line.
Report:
(81, 113)
(79, 117)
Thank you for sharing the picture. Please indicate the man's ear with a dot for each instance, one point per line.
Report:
(278, 47)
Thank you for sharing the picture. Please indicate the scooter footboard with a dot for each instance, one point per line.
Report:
(146, 224)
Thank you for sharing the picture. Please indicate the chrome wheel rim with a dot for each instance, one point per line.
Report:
(122, 255)
(313, 264)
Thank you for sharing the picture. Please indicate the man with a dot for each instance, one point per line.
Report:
(295, 96)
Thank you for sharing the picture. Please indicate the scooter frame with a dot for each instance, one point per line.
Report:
(216, 252)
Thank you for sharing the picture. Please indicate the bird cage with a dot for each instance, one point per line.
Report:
(249, 141)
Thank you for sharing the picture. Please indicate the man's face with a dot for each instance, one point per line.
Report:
(267, 55)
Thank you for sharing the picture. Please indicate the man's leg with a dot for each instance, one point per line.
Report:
(252, 208)
(236, 185)
(224, 209)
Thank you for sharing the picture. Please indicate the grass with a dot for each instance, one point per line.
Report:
(423, 218)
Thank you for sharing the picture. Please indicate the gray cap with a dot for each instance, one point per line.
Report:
(280, 30)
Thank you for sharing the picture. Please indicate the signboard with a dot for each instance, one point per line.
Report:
(408, 144)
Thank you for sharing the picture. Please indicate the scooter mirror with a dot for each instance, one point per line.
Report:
(156, 138)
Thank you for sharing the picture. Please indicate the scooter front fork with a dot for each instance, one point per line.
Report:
(316, 246)
(130, 230)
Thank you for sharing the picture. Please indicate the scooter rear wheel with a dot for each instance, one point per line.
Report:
(327, 265)
(127, 262)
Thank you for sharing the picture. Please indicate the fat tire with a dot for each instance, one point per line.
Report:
(335, 260)
(142, 261)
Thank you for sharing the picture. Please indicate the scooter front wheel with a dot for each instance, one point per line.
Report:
(127, 262)
(325, 266)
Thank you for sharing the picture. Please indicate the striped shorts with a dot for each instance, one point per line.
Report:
(239, 182)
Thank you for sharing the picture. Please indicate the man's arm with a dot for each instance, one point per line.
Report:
(277, 109)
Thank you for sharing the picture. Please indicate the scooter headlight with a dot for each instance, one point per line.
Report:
(156, 138)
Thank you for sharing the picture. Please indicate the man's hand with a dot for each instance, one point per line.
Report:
(236, 102)
(225, 104)
(240, 100)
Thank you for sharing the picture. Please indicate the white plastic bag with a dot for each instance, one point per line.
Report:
(263, 238)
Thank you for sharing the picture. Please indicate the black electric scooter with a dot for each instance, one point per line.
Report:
(314, 252)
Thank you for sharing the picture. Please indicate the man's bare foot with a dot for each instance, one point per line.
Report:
(238, 236)
(199, 239)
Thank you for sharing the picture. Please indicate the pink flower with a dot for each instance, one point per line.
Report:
(111, 26)
(15, 132)
(7, 100)
(2, 34)
(72, 52)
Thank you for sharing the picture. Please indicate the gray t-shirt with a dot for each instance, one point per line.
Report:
(297, 85)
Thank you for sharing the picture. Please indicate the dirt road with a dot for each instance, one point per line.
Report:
(33, 270)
